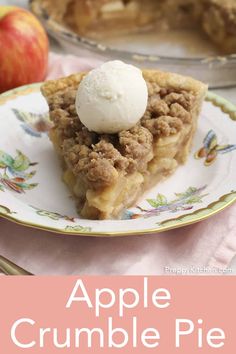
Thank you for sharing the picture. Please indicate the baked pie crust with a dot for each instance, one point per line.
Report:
(91, 18)
(108, 173)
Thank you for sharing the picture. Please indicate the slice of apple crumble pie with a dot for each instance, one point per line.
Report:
(108, 172)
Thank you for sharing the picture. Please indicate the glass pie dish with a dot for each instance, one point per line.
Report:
(184, 51)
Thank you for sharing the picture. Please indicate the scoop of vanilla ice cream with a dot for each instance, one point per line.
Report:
(112, 97)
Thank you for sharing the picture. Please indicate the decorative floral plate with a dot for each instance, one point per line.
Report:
(32, 193)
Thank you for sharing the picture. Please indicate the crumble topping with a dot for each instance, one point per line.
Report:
(185, 99)
(164, 125)
(99, 157)
(176, 110)
(159, 108)
(135, 143)
(98, 163)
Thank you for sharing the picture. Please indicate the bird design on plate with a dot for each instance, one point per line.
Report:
(210, 149)
(15, 175)
(34, 124)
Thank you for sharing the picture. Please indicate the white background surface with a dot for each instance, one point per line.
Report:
(230, 93)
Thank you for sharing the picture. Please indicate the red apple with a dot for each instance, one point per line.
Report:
(23, 48)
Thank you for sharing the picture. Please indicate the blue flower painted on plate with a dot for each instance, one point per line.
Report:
(14, 174)
(183, 201)
(33, 124)
(210, 149)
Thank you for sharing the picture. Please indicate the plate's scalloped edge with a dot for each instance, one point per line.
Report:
(225, 106)
(221, 204)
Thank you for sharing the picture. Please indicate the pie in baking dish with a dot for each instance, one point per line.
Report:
(91, 18)
(108, 172)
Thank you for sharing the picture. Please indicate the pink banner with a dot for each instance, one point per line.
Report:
(117, 315)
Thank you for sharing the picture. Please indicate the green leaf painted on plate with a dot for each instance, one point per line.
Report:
(161, 199)
(13, 175)
(78, 228)
(153, 203)
(5, 210)
(49, 214)
(53, 215)
(187, 193)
